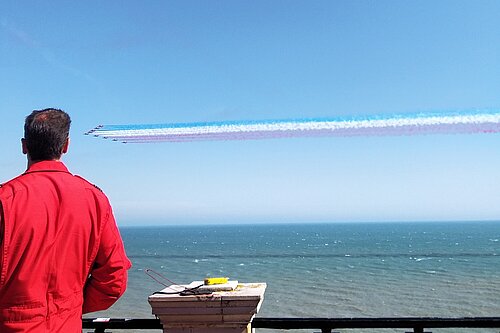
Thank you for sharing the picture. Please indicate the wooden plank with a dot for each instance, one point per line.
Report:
(189, 319)
(238, 318)
(239, 310)
(190, 304)
(188, 311)
(239, 303)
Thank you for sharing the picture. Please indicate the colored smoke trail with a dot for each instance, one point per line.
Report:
(409, 124)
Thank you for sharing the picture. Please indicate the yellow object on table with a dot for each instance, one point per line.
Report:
(215, 280)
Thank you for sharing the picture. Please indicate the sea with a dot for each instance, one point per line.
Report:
(337, 270)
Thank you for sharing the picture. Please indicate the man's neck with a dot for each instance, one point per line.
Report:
(31, 162)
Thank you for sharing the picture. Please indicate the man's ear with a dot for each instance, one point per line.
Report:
(24, 147)
(66, 146)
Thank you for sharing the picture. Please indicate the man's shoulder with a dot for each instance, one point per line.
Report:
(11, 182)
(9, 188)
(89, 184)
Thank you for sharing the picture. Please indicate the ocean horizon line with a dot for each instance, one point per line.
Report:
(276, 223)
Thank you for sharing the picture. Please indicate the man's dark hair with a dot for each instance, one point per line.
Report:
(45, 133)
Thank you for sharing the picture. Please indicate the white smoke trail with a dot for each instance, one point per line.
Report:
(413, 124)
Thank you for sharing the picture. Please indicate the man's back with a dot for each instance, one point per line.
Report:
(57, 229)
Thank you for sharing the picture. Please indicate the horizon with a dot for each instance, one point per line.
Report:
(310, 223)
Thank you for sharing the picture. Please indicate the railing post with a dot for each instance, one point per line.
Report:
(218, 312)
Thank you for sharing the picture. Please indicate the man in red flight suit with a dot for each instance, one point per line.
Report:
(61, 254)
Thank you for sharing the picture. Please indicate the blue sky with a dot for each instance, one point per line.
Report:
(134, 62)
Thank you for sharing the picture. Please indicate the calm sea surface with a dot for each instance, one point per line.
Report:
(327, 270)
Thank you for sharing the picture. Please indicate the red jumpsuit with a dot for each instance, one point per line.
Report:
(61, 252)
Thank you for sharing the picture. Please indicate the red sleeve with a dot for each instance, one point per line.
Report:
(1, 224)
(108, 275)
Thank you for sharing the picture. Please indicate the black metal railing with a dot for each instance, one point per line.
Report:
(326, 325)
(100, 325)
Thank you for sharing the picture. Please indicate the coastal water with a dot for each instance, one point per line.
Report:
(327, 270)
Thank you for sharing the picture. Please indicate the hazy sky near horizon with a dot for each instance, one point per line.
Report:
(136, 62)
